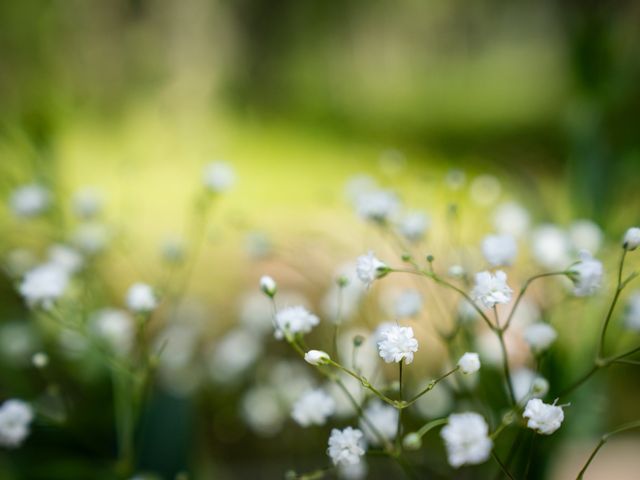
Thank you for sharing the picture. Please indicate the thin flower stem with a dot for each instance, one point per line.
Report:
(607, 319)
(502, 466)
(626, 362)
(603, 440)
(365, 383)
(523, 291)
(626, 354)
(505, 365)
(399, 426)
(580, 381)
(429, 387)
(431, 425)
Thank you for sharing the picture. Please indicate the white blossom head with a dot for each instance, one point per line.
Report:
(346, 447)
(233, 355)
(539, 336)
(115, 328)
(40, 359)
(29, 201)
(91, 237)
(469, 363)
(87, 203)
(294, 320)
(313, 408)
(543, 417)
(631, 239)
(396, 344)
(550, 246)
(15, 419)
(586, 235)
(511, 218)
(66, 258)
(218, 177)
(43, 285)
(141, 298)
(407, 304)
(499, 250)
(268, 286)
(491, 289)
(586, 275)
(466, 439)
(369, 268)
(316, 357)
(377, 205)
(384, 419)
(414, 225)
(527, 384)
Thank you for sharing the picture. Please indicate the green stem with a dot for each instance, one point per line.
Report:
(431, 425)
(399, 426)
(502, 466)
(429, 387)
(619, 287)
(505, 365)
(365, 383)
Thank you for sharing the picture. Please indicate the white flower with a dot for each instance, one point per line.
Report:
(377, 205)
(632, 313)
(466, 439)
(586, 275)
(499, 250)
(539, 336)
(384, 419)
(313, 408)
(469, 363)
(140, 298)
(87, 203)
(396, 344)
(408, 304)
(40, 359)
(43, 285)
(631, 239)
(369, 268)
(526, 383)
(346, 447)
(29, 200)
(233, 354)
(357, 471)
(550, 246)
(413, 225)
(316, 357)
(218, 177)
(262, 411)
(491, 289)
(66, 258)
(543, 418)
(511, 218)
(268, 285)
(15, 418)
(585, 235)
(91, 237)
(456, 271)
(294, 320)
(116, 328)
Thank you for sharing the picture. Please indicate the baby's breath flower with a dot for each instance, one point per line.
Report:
(313, 408)
(66, 258)
(550, 246)
(631, 239)
(466, 439)
(369, 268)
(140, 298)
(377, 205)
(542, 417)
(346, 447)
(511, 218)
(413, 225)
(115, 327)
(294, 320)
(499, 250)
(29, 200)
(585, 235)
(384, 419)
(268, 285)
(408, 304)
(412, 441)
(40, 360)
(539, 336)
(469, 363)
(396, 344)
(218, 177)
(586, 275)
(492, 289)
(15, 418)
(317, 357)
(43, 285)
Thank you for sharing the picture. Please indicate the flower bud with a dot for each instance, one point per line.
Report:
(412, 441)
(469, 363)
(342, 281)
(268, 286)
(631, 239)
(358, 340)
(539, 387)
(317, 357)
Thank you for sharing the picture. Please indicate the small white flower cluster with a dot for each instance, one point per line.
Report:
(15, 420)
(313, 408)
(466, 438)
(346, 447)
(369, 268)
(542, 417)
(294, 320)
(492, 289)
(397, 344)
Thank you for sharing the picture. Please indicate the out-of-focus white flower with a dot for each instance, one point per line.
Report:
(91, 237)
(173, 249)
(344, 407)
(218, 177)
(268, 285)
(397, 344)
(29, 200)
(539, 387)
(586, 235)
(490, 289)
(632, 313)
(586, 275)
(140, 298)
(18, 342)
(539, 336)
(87, 202)
(408, 304)
(467, 312)
(413, 225)
(313, 408)
(66, 258)
(466, 439)
(550, 246)
(377, 205)
(73, 344)
(485, 190)
(15, 419)
(257, 245)
(523, 381)
(316, 357)
(499, 250)
(346, 447)
(356, 471)
(358, 185)
(294, 320)
(469, 363)
(631, 239)
(233, 355)
(369, 268)
(341, 302)
(384, 419)
(262, 411)
(43, 285)
(40, 360)
(511, 218)
(456, 271)
(437, 403)
(116, 328)
(543, 418)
